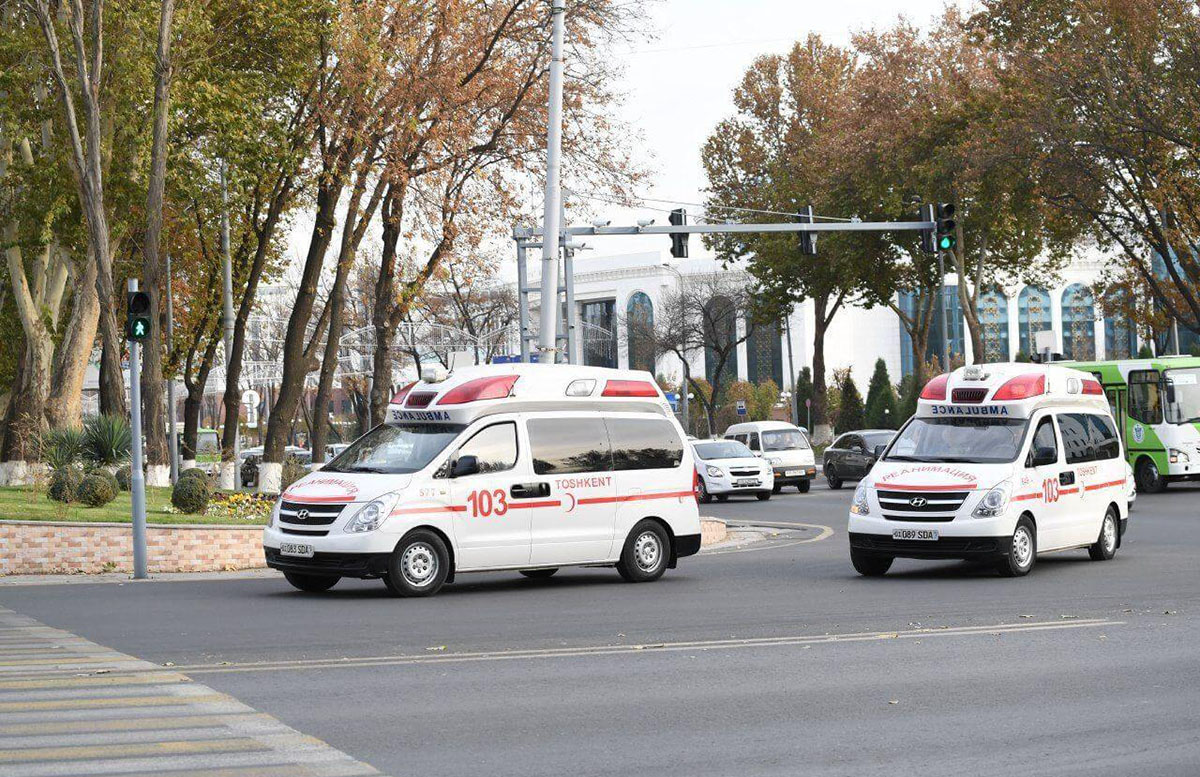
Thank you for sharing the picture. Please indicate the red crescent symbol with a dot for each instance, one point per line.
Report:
(572, 507)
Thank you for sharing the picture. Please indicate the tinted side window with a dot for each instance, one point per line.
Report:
(840, 442)
(495, 447)
(1077, 438)
(754, 444)
(1145, 402)
(648, 444)
(854, 442)
(1104, 436)
(1043, 437)
(563, 445)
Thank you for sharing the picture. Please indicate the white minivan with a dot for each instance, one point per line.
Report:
(520, 467)
(1001, 462)
(784, 446)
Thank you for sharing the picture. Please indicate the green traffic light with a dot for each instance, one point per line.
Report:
(946, 242)
(138, 328)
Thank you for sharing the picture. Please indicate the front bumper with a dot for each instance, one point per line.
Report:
(806, 472)
(943, 547)
(364, 565)
(728, 484)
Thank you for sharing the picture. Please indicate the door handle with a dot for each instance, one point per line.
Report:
(1066, 478)
(529, 490)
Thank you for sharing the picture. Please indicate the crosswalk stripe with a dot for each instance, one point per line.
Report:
(92, 703)
(94, 681)
(67, 727)
(131, 750)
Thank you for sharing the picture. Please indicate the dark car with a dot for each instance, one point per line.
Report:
(852, 454)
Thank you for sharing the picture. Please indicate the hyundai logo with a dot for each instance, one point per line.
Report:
(918, 501)
(302, 515)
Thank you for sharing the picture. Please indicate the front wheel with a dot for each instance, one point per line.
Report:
(869, 565)
(311, 583)
(646, 553)
(419, 565)
(832, 478)
(1149, 479)
(702, 493)
(1022, 550)
(763, 495)
(1105, 546)
(803, 486)
(775, 489)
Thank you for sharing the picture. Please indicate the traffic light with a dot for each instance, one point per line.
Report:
(137, 318)
(946, 237)
(679, 240)
(808, 240)
(928, 244)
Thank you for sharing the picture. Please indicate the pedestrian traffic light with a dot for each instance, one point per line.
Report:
(946, 237)
(808, 240)
(679, 240)
(928, 243)
(137, 319)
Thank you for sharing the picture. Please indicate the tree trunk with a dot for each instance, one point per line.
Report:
(64, 406)
(821, 431)
(391, 212)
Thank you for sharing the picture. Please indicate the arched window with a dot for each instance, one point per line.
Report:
(764, 354)
(1078, 321)
(992, 309)
(1033, 316)
(639, 331)
(720, 336)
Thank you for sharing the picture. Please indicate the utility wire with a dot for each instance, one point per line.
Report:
(712, 218)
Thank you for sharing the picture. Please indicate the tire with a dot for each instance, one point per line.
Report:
(869, 565)
(1023, 554)
(832, 478)
(1105, 546)
(312, 583)
(539, 574)
(702, 492)
(803, 486)
(1149, 480)
(722, 497)
(646, 553)
(763, 495)
(419, 565)
(776, 489)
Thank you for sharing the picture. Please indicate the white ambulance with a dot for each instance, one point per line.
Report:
(1000, 462)
(521, 467)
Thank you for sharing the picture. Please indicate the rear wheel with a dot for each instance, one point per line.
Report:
(1105, 546)
(1023, 550)
(831, 476)
(539, 574)
(419, 565)
(1149, 479)
(646, 554)
(869, 565)
(803, 486)
(763, 495)
(311, 583)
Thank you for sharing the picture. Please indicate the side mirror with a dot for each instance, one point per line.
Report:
(1170, 393)
(1043, 457)
(879, 449)
(463, 466)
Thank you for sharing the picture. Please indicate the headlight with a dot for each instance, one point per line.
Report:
(371, 515)
(273, 516)
(859, 506)
(993, 502)
(714, 472)
(774, 461)
(1178, 456)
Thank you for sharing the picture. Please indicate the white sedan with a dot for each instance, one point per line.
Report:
(725, 467)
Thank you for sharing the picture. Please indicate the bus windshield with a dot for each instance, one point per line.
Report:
(395, 449)
(959, 440)
(1183, 395)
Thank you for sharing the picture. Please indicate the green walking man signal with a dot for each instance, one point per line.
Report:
(137, 320)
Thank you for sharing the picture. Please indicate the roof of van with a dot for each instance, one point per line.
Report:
(463, 394)
(760, 425)
(1009, 389)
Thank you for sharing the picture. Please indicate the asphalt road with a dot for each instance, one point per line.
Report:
(771, 659)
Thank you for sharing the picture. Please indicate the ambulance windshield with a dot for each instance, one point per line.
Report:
(959, 440)
(395, 449)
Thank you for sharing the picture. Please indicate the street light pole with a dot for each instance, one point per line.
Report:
(173, 441)
(548, 336)
(687, 387)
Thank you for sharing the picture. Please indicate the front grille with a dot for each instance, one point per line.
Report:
(744, 473)
(922, 502)
(920, 518)
(968, 395)
(304, 532)
(309, 514)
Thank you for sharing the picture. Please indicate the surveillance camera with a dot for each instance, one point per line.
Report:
(601, 222)
(645, 222)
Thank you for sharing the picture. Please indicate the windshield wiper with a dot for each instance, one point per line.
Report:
(910, 458)
(356, 468)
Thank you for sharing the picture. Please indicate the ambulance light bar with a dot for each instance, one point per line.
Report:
(581, 388)
(629, 388)
(936, 388)
(402, 393)
(493, 387)
(1021, 387)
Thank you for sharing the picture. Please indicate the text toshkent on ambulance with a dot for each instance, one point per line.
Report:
(505, 467)
(1000, 462)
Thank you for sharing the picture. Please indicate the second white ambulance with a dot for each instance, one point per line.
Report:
(1000, 462)
(521, 467)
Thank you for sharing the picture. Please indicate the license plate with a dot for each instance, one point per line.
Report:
(793, 473)
(295, 549)
(747, 482)
(914, 534)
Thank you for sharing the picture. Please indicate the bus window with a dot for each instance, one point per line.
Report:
(1145, 400)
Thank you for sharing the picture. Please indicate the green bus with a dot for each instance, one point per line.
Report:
(1157, 406)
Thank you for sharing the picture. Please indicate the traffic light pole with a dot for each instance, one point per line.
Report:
(137, 480)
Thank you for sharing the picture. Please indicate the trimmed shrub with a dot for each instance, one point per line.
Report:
(195, 472)
(124, 476)
(64, 484)
(97, 489)
(110, 477)
(191, 495)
